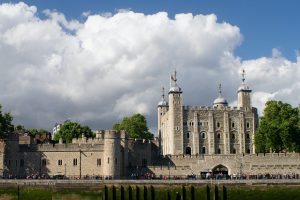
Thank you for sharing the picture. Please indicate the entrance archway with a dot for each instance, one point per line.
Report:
(220, 172)
(188, 151)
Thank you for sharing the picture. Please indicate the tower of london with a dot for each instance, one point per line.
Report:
(218, 129)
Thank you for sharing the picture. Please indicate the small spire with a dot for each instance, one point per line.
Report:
(173, 79)
(243, 75)
(163, 93)
(220, 90)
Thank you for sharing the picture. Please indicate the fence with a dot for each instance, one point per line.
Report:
(150, 193)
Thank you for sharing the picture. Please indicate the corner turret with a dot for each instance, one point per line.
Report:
(244, 94)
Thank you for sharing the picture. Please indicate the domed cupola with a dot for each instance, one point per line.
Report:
(163, 102)
(220, 101)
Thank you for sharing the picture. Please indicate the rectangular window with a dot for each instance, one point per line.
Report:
(44, 162)
(75, 162)
(21, 163)
(59, 162)
(108, 160)
(98, 162)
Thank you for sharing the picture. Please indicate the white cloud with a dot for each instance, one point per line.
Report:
(111, 65)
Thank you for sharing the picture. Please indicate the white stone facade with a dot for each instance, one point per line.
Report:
(219, 129)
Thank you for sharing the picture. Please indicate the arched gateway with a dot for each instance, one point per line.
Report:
(220, 170)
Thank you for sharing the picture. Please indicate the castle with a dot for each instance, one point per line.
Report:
(191, 141)
(207, 130)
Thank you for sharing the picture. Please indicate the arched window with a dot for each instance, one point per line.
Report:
(218, 125)
(248, 125)
(203, 150)
(218, 136)
(232, 124)
(188, 151)
(203, 135)
(219, 151)
(188, 135)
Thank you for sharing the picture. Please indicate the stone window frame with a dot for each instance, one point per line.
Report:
(98, 161)
(188, 135)
(247, 125)
(74, 161)
(59, 162)
(203, 135)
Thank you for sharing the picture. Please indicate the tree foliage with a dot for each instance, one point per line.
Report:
(33, 132)
(135, 126)
(278, 128)
(70, 130)
(6, 125)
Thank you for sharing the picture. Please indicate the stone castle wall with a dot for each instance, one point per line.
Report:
(253, 164)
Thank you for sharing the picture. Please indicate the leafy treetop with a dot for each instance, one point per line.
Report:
(70, 130)
(278, 128)
(6, 125)
(135, 126)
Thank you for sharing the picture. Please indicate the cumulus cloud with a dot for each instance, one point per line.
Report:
(109, 66)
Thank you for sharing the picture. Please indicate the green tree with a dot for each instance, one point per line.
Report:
(33, 132)
(135, 126)
(6, 125)
(70, 130)
(278, 128)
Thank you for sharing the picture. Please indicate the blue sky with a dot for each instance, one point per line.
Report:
(264, 24)
(97, 68)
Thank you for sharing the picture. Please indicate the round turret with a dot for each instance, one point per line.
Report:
(112, 154)
(244, 99)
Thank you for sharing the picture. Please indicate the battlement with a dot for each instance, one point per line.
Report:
(209, 108)
(61, 147)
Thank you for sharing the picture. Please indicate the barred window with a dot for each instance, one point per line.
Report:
(59, 162)
(74, 161)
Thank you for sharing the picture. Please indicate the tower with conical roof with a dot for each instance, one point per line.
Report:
(244, 95)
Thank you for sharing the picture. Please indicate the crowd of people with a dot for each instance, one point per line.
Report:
(149, 175)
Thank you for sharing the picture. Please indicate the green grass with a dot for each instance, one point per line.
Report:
(234, 192)
(32, 193)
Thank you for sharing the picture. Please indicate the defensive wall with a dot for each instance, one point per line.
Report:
(249, 164)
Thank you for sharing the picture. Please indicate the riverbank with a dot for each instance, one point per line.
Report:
(99, 184)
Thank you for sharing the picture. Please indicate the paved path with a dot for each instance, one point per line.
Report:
(101, 183)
